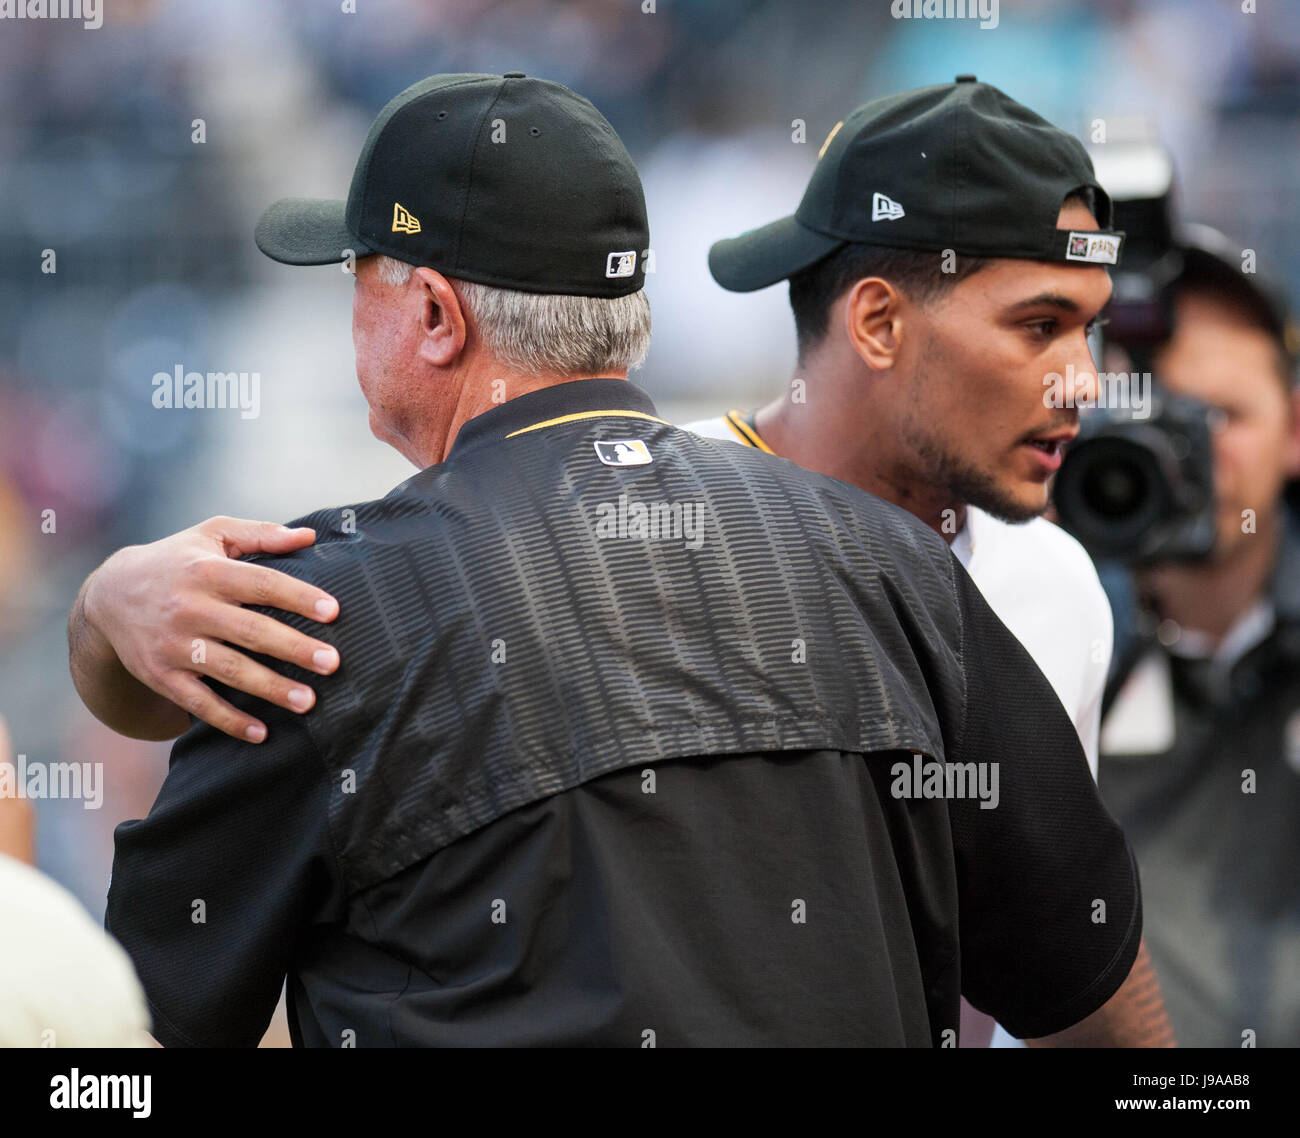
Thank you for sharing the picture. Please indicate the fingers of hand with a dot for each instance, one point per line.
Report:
(242, 536)
(248, 584)
(191, 693)
(238, 671)
(268, 637)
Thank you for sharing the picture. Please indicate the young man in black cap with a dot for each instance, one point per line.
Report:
(583, 784)
(945, 261)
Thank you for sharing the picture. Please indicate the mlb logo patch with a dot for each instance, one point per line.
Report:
(623, 452)
(621, 264)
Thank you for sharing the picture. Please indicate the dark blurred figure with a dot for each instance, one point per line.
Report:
(1200, 750)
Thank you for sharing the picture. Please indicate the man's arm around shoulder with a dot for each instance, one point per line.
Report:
(211, 892)
(154, 621)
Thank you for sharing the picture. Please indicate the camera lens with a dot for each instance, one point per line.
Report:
(1109, 493)
(1113, 489)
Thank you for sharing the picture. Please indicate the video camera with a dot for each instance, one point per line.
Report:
(1137, 484)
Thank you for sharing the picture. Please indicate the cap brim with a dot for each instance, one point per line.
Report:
(766, 255)
(306, 231)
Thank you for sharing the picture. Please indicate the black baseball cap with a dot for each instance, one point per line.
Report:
(498, 179)
(957, 166)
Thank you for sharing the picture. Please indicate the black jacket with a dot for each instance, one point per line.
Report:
(593, 775)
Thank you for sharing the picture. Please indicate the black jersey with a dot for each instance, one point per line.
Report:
(638, 738)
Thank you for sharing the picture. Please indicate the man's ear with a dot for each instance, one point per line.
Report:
(442, 321)
(873, 321)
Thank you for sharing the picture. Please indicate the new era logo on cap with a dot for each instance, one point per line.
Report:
(884, 208)
(621, 264)
(1100, 249)
(404, 221)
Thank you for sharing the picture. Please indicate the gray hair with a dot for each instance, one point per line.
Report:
(536, 332)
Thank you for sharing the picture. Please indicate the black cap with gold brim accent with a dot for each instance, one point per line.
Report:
(957, 166)
(498, 179)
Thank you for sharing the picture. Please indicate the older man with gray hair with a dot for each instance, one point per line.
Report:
(589, 774)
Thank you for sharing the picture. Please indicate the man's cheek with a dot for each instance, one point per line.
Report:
(1247, 449)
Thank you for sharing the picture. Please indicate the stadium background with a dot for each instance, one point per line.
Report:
(156, 265)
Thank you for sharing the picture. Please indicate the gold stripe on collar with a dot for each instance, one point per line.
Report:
(586, 415)
(736, 421)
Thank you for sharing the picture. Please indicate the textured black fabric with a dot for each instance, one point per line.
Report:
(211, 892)
(667, 912)
(509, 680)
(1048, 858)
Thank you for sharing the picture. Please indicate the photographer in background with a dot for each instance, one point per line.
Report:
(1200, 748)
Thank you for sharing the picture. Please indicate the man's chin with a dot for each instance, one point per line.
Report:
(1011, 511)
(1001, 492)
(1014, 504)
(380, 432)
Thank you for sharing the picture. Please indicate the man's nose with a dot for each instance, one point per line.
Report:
(1086, 384)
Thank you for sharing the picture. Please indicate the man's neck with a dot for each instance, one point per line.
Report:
(478, 395)
(1212, 596)
(844, 448)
